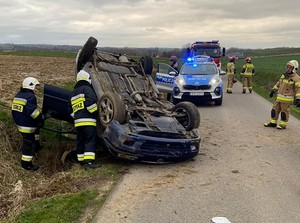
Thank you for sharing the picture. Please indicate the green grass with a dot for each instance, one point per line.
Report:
(267, 72)
(62, 208)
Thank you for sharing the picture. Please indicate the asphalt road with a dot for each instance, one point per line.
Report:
(244, 172)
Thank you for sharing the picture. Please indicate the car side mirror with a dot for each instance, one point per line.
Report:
(222, 72)
(173, 73)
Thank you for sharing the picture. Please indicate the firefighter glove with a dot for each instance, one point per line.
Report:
(297, 102)
(271, 93)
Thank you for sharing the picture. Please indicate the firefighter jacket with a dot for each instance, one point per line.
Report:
(248, 70)
(230, 68)
(25, 112)
(288, 88)
(83, 103)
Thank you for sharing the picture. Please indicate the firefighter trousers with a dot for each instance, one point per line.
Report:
(247, 83)
(30, 146)
(86, 143)
(282, 109)
(230, 83)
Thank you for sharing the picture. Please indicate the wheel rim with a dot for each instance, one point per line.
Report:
(106, 111)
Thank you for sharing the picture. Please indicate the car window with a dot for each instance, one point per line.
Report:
(200, 69)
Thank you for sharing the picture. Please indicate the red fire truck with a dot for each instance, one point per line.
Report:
(209, 48)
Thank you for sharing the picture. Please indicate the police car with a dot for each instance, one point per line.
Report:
(198, 80)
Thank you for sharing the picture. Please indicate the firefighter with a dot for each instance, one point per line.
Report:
(288, 89)
(231, 71)
(28, 120)
(83, 105)
(174, 65)
(247, 75)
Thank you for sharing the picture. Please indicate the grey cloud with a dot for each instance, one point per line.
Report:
(150, 22)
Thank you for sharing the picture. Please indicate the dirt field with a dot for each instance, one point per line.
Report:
(51, 70)
(53, 178)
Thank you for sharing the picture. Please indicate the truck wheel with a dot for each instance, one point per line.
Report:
(191, 116)
(86, 52)
(111, 107)
(147, 64)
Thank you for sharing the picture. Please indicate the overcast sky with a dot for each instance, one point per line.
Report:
(152, 23)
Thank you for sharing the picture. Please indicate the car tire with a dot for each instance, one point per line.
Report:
(111, 107)
(86, 52)
(147, 64)
(192, 118)
(219, 101)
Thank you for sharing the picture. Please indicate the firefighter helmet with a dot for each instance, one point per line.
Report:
(173, 58)
(232, 59)
(293, 63)
(248, 59)
(83, 76)
(30, 83)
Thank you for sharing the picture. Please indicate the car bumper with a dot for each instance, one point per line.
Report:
(145, 148)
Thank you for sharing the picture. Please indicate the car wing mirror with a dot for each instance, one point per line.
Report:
(222, 72)
(173, 73)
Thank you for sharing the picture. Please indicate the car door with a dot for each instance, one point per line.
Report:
(165, 78)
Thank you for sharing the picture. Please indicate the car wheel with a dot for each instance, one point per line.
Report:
(147, 64)
(219, 101)
(111, 107)
(86, 52)
(191, 116)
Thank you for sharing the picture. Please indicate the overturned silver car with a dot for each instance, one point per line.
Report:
(134, 121)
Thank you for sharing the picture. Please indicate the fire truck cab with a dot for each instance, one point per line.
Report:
(209, 48)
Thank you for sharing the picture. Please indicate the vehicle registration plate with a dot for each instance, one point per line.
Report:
(197, 93)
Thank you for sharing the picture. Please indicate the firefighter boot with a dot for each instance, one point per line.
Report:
(280, 127)
(29, 166)
(244, 91)
(269, 124)
(91, 164)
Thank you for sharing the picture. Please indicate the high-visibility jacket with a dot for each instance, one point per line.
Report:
(288, 88)
(248, 70)
(230, 68)
(83, 102)
(25, 112)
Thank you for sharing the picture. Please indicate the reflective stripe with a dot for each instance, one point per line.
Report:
(25, 129)
(283, 123)
(37, 137)
(35, 113)
(298, 95)
(284, 98)
(297, 84)
(78, 98)
(275, 87)
(89, 156)
(288, 82)
(20, 101)
(26, 158)
(92, 108)
(85, 124)
(273, 121)
(85, 120)
(80, 157)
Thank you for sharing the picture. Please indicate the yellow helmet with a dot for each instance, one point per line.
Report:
(30, 83)
(293, 63)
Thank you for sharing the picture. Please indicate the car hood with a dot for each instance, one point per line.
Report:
(197, 79)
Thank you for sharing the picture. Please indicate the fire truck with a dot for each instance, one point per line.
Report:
(209, 48)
